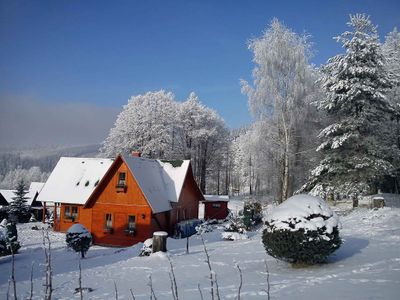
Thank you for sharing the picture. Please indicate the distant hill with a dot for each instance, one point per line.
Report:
(43, 157)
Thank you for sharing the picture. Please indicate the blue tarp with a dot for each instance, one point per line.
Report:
(186, 228)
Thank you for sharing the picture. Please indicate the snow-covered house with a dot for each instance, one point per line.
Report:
(69, 186)
(124, 201)
(31, 198)
(216, 207)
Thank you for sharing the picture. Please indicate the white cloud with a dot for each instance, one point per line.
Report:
(30, 122)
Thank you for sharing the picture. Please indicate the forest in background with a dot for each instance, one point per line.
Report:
(348, 106)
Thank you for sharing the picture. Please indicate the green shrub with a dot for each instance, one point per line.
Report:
(252, 213)
(302, 230)
(79, 239)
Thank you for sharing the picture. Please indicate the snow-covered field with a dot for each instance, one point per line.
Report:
(367, 266)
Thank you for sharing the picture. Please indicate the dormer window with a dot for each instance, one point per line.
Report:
(121, 179)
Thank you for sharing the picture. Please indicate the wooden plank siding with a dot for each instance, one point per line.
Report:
(120, 204)
(216, 210)
(188, 205)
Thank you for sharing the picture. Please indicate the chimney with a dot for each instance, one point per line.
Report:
(136, 154)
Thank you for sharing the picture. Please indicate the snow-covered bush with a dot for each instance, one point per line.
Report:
(233, 236)
(235, 224)
(79, 239)
(204, 227)
(147, 248)
(252, 213)
(8, 238)
(303, 229)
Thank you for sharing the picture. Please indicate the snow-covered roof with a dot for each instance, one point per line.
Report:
(216, 198)
(74, 179)
(34, 188)
(8, 195)
(160, 181)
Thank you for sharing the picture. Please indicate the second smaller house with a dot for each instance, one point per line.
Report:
(216, 207)
(31, 198)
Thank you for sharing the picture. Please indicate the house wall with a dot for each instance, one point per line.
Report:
(219, 213)
(84, 218)
(121, 204)
(188, 204)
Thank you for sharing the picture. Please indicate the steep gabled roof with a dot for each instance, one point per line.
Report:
(74, 179)
(36, 187)
(160, 181)
(7, 196)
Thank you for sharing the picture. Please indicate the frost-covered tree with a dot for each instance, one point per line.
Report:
(391, 52)
(354, 146)
(159, 127)
(14, 176)
(145, 124)
(19, 210)
(201, 136)
(280, 99)
(252, 162)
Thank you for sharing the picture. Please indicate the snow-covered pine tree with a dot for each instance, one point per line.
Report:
(19, 210)
(354, 147)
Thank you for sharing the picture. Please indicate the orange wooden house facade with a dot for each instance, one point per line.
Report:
(131, 197)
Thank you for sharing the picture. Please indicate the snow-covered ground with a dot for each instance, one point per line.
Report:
(367, 266)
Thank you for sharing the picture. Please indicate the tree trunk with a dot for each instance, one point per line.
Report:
(159, 241)
(218, 178)
(285, 175)
(203, 169)
(250, 187)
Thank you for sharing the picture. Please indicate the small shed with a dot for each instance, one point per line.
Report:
(216, 207)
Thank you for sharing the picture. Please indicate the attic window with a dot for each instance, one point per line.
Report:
(77, 183)
(87, 183)
(83, 162)
(121, 179)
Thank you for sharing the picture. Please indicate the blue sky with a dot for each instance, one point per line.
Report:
(99, 53)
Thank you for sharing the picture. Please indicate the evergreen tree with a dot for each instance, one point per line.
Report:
(79, 239)
(19, 210)
(355, 146)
